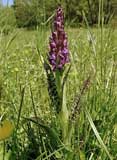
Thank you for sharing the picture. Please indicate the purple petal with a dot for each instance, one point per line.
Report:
(59, 53)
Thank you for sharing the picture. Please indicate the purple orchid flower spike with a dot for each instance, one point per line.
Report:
(59, 53)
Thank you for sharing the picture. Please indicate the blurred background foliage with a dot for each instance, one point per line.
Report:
(32, 13)
(7, 19)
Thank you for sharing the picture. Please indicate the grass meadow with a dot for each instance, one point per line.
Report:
(24, 94)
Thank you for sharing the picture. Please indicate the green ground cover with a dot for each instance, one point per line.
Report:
(92, 52)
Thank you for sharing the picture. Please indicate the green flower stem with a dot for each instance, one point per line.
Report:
(64, 117)
(58, 77)
(69, 133)
(63, 114)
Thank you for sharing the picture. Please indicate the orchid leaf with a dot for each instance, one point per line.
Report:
(51, 132)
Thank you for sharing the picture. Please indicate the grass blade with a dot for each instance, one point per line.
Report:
(11, 40)
(97, 134)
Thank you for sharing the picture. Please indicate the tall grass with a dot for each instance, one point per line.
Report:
(93, 135)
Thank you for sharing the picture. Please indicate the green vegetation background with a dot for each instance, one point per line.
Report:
(25, 28)
(32, 13)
